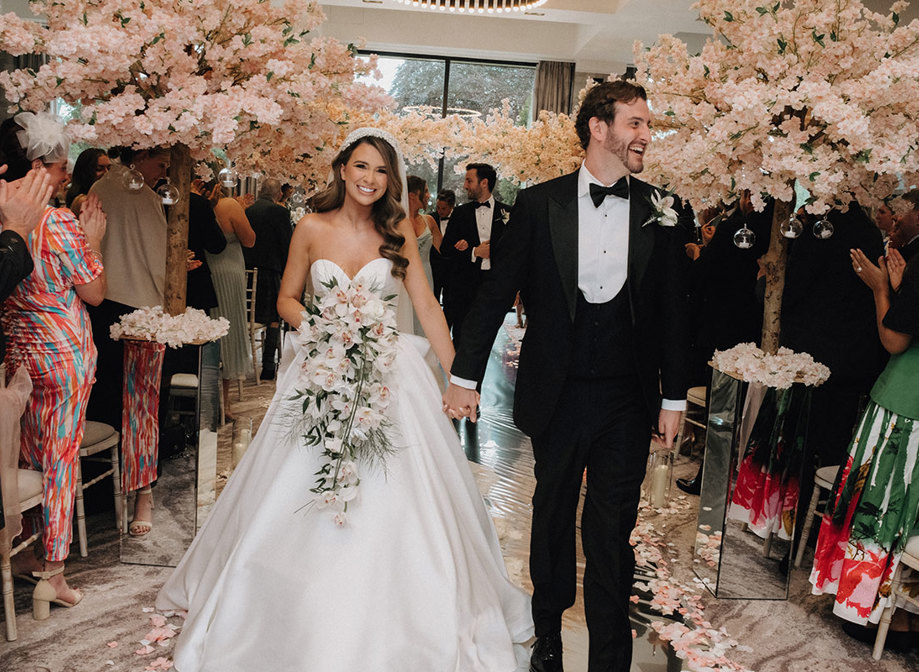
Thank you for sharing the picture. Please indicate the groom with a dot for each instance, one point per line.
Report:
(602, 272)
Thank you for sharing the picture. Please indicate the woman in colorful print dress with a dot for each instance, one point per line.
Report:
(49, 334)
(875, 504)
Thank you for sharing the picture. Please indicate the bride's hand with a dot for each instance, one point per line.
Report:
(460, 402)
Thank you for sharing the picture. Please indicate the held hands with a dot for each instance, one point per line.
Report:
(875, 277)
(483, 251)
(896, 264)
(92, 219)
(460, 402)
(23, 203)
(693, 250)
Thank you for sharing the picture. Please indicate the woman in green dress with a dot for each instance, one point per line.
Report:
(875, 503)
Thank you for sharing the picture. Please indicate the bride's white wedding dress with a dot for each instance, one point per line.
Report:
(414, 582)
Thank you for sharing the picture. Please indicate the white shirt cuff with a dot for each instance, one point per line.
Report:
(672, 405)
(472, 254)
(463, 382)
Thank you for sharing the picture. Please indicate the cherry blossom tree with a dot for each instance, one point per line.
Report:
(825, 92)
(242, 75)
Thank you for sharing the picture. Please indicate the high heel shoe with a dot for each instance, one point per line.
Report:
(140, 527)
(44, 594)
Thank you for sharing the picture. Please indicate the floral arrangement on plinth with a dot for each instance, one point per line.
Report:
(154, 324)
(350, 337)
(780, 370)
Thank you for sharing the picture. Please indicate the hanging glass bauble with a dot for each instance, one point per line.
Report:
(297, 198)
(744, 238)
(792, 227)
(169, 193)
(228, 177)
(823, 229)
(133, 179)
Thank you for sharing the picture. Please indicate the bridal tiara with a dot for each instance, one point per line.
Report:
(371, 132)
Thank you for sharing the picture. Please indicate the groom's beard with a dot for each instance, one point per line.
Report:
(620, 149)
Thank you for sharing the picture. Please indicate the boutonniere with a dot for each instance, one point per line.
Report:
(662, 210)
(505, 216)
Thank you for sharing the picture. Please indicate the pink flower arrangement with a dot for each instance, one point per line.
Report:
(245, 75)
(823, 93)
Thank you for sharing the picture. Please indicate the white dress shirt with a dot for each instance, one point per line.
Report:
(603, 254)
(603, 242)
(483, 218)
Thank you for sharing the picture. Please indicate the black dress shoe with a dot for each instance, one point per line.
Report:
(547, 654)
(267, 374)
(691, 486)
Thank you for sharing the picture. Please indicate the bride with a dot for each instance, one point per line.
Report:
(411, 579)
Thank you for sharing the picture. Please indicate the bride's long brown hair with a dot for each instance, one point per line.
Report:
(387, 210)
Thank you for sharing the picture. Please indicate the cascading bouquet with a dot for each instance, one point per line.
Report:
(350, 338)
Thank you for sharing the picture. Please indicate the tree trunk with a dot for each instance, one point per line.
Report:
(177, 231)
(774, 266)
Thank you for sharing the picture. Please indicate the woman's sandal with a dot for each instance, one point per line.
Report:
(44, 594)
(140, 527)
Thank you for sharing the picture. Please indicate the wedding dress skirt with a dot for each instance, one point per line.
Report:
(414, 582)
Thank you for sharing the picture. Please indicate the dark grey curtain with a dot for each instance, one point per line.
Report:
(553, 86)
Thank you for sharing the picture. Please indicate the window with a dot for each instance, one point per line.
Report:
(442, 86)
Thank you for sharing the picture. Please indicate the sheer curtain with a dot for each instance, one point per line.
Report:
(553, 86)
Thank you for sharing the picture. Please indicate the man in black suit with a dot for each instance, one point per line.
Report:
(440, 265)
(271, 223)
(905, 231)
(474, 227)
(602, 273)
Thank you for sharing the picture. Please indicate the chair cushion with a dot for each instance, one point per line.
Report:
(826, 476)
(696, 395)
(30, 484)
(96, 432)
(184, 380)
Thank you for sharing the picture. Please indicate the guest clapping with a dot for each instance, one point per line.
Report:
(50, 335)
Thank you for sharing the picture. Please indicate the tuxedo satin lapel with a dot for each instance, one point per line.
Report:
(641, 238)
(563, 228)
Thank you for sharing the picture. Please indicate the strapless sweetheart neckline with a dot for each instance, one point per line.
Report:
(351, 278)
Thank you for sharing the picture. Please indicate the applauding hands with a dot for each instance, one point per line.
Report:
(23, 202)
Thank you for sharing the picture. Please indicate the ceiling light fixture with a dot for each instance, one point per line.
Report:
(475, 6)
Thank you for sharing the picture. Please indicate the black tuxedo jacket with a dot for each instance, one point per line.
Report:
(908, 251)
(465, 273)
(827, 311)
(538, 256)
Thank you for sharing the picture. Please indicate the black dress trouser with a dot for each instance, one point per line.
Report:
(601, 425)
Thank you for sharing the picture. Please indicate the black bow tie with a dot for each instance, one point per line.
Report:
(486, 204)
(598, 192)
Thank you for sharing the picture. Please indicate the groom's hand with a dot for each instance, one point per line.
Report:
(460, 402)
(668, 424)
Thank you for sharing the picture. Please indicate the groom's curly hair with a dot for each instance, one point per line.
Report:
(600, 102)
(387, 210)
